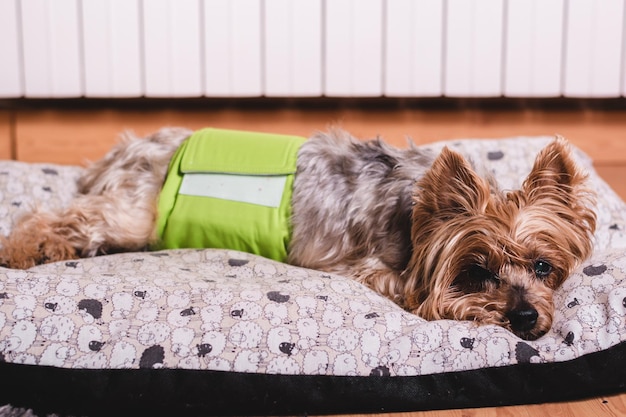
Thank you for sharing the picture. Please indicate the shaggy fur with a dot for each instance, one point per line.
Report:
(428, 233)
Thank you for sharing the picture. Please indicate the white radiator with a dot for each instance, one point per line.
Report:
(310, 48)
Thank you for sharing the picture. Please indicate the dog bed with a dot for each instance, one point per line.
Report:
(219, 332)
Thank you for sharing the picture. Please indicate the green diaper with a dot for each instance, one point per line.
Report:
(230, 189)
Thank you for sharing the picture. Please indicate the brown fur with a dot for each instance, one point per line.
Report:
(430, 234)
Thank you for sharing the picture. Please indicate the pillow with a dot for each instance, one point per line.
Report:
(220, 332)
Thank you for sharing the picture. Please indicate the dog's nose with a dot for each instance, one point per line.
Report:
(523, 319)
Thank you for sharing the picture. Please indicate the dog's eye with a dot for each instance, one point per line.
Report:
(475, 278)
(480, 274)
(542, 269)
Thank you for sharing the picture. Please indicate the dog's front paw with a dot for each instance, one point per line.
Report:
(31, 244)
(26, 253)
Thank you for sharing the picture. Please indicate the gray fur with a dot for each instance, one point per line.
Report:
(352, 203)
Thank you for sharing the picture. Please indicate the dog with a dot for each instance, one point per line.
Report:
(425, 231)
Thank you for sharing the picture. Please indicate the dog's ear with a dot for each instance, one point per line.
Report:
(559, 187)
(554, 174)
(451, 186)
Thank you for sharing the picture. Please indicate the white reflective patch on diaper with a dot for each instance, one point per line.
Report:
(263, 190)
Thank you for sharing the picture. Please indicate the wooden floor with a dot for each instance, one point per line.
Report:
(71, 136)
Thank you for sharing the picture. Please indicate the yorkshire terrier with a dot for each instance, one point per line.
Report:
(427, 232)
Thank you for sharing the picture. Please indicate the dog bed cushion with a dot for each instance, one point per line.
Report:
(221, 332)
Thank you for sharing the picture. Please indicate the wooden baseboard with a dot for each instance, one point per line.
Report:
(73, 136)
(6, 135)
(49, 133)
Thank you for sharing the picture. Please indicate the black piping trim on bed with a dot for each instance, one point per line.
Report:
(188, 392)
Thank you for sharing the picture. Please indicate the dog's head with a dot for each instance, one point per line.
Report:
(492, 257)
